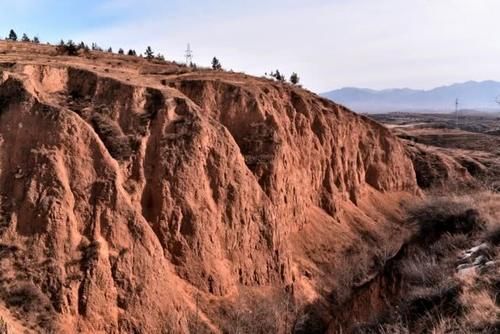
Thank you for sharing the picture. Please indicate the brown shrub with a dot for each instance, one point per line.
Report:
(482, 313)
(439, 215)
(492, 235)
(274, 312)
(112, 136)
(11, 91)
(29, 298)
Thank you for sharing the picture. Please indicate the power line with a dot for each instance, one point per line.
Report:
(189, 55)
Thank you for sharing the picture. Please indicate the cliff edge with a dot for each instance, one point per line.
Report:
(137, 197)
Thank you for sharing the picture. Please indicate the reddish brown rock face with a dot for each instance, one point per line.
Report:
(126, 195)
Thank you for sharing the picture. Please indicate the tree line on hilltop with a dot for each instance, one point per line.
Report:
(70, 48)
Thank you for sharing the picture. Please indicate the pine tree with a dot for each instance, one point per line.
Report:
(84, 47)
(120, 51)
(110, 50)
(25, 38)
(36, 40)
(294, 78)
(12, 35)
(216, 64)
(96, 47)
(132, 52)
(149, 53)
(278, 76)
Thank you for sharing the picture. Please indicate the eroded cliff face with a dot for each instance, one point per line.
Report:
(129, 199)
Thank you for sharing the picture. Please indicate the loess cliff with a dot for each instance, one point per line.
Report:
(140, 197)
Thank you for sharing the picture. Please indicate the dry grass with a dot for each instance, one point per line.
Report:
(436, 298)
(253, 312)
(447, 326)
(449, 244)
(423, 269)
(481, 311)
(435, 265)
(488, 203)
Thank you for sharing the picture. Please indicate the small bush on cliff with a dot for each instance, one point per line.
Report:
(25, 38)
(28, 297)
(12, 91)
(113, 138)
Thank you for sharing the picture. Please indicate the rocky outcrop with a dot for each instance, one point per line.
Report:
(125, 196)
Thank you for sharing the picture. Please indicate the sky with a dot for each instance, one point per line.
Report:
(330, 44)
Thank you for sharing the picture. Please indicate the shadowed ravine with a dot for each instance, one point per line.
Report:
(372, 298)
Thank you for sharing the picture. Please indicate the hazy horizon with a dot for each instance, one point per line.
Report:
(472, 95)
(417, 44)
(449, 84)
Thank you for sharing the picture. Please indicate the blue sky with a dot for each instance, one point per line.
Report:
(331, 44)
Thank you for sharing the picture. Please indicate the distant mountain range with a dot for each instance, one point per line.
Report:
(472, 95)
